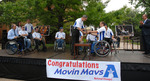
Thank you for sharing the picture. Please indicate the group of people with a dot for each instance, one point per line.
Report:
(104, 33)
(24, 34)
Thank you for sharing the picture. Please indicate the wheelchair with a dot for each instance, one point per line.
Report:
(102, 48)
(33, 44)
(56, 48)
(11, 47)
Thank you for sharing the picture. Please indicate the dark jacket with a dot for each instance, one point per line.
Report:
(145, 27)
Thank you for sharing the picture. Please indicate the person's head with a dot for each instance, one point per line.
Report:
(19, 23)
(144, 17)
(23, 28)
(13, 26)
(84, 18)
(106, 25)
(61, 29)
(102, 23)
(28, 20)
(36, 29)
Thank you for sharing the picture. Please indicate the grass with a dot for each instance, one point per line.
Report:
(52, 45)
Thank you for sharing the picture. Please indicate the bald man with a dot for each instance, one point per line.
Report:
(145, 27)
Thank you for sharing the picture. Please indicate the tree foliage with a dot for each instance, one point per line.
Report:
(59, 13)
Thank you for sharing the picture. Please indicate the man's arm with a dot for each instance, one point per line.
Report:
(147, 25)
(64, 36)
(56, 36)
(81, 39)
(9, 36)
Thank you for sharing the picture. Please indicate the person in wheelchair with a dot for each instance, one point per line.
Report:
(60, 37)
(109, 35)
(91, 38)
(38, 39)
(100, 32)
(13, 35)
(27, 42)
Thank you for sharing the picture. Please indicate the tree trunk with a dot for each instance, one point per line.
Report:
(60, 21)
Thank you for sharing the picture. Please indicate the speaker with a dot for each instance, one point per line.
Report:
(4, 38)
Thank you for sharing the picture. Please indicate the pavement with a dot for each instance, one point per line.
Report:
(5, 79)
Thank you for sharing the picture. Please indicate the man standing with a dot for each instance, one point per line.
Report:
(29, 28)
(78, 25)
(145, 27)
(60, 37)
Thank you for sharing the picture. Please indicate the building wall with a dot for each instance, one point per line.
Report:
(3, 27)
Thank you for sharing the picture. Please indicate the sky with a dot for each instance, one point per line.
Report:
(117, 4)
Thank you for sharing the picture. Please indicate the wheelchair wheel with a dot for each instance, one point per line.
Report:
(64, 46)
(102, 48)
(34, 44)
(55, 46)
(11, 47)
(114, 46)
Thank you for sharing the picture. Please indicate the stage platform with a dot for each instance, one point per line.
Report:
(134, 65)
(121, 56)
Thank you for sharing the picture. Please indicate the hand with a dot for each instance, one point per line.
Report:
(141, 22)
(80, 40)
(114, 39)
(16, 37)
(88, 32)
(40, 39)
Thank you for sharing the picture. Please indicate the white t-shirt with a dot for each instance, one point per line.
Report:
(23, 32)
(109, 33)
(29, 27)
(60, 35)
(36, 35)
(79, 23)
(91, 37)
(101, 33)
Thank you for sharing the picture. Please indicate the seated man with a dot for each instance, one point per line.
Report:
(27, 42)
(13, 35)
(38, 39)
(60, 36)
(91, 38)
(109, 36)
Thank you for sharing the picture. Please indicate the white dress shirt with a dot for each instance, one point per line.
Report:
(36, 35)
(12, 34)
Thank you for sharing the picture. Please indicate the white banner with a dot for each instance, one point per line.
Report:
(83, 70)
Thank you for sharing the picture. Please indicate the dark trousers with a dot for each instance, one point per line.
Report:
(39, 42)
(29, 35)
(109, 40)
(146, 43)
(20, 41)
(75, 39)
